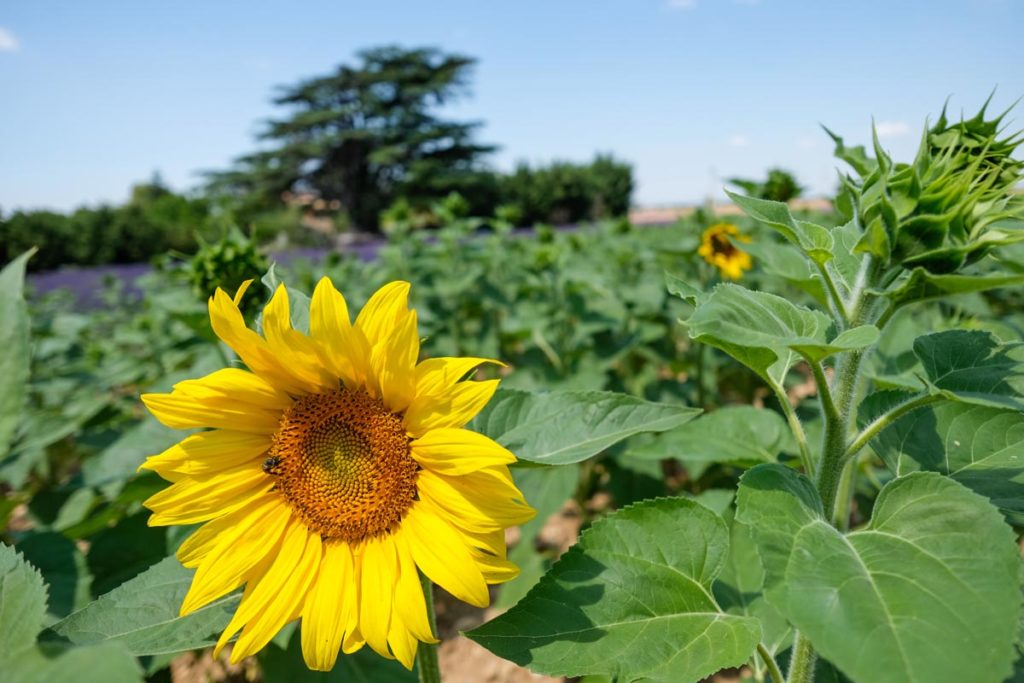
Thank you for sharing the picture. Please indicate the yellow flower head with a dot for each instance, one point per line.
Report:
(330, 473)
(719, 249)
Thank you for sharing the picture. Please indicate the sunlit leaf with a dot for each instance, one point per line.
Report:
(142, 615)
(569, 426)
(14, 348)
(633, 600)
(928, 591)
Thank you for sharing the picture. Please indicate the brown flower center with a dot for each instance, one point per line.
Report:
(342, 461)
(721, 244)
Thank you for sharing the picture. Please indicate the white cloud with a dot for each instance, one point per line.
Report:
(738, 141)
(808, 141)
(891, 129)
(680, 4)
(8, 42)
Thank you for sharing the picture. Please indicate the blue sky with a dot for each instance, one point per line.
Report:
(95, 96)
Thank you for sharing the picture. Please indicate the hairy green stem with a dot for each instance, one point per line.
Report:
(838, 305)
(837, 403)
(769, 662)
(801, 665)
(844, 498)
(798, 431)
(882, 421)
(426, 654)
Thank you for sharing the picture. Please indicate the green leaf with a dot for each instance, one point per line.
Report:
(22, 602)
(855, 338)
(123, 551)
(142, 615)
(813, 240)
(847, 263)
(739, 588)
(63, 568)
(738, 435)
(758, 329)
(14, 349)
(679, 287)
(118, 462)
(298, 302)
(563, 427)
(633, 600)
(979, 446)
(928, 591)
(105, 663)
(974, 367)
(922, 285)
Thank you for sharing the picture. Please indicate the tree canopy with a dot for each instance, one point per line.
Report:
(365, 135)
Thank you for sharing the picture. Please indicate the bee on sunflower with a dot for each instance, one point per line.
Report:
(330, 474)
(718, 248)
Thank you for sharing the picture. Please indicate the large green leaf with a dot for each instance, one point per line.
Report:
(768, 333)
(142, 615)
(14, 348)
(739, 435)
(633, 600)
(928, 591)
(739, 588)
(979, 446)
(63, 568)
(22, 603)
(923, 285)
(569, 426)
(973, 366)
(102, 663)
(814, 240)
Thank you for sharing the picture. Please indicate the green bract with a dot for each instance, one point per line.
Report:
(947, 208)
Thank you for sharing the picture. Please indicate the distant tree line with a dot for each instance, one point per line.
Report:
(362, 143)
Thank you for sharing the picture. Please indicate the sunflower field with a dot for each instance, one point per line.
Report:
(772, 446)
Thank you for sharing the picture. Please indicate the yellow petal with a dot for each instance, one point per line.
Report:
(202, 542)
(458, 451)
(403, 644)
(328, 605)
(495, 569)
(440, 553)
(344, 347)
(490, 542)
(384, 311)
(239, 549)
(454, 408)
(394, 363)
(181, 411)
(379, 572)
(436, 376)
(210, 452)
(481, 501)
(229, 325)
(410, 605)
(237, 386)
(272, 598)
(198, 499)
(295, 350)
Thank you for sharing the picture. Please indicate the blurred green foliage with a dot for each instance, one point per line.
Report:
(779, 186)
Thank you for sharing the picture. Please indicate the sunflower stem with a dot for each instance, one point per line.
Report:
(769, 662)
(426, 654)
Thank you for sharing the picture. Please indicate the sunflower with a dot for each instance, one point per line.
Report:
(719, 249)
(330, 474)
